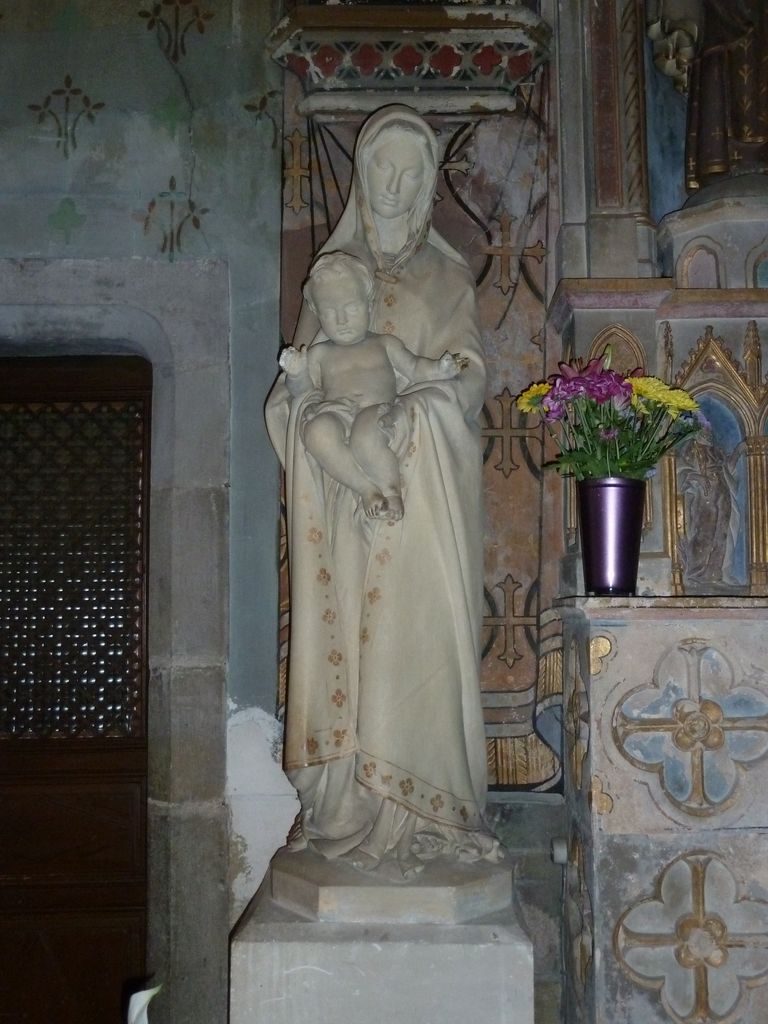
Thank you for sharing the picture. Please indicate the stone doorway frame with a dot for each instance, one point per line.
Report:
(177, 316)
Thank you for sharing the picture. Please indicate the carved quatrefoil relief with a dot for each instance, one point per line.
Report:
(697, 727)
(696, 941)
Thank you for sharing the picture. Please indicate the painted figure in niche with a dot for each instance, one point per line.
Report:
(707, 480)
(384, 732)
(348, 424)
(728, 85)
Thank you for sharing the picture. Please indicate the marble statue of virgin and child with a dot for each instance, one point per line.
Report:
(375, 419)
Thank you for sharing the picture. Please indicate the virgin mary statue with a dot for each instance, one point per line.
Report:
(384, 733)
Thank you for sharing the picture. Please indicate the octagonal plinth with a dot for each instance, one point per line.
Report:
(444, 893)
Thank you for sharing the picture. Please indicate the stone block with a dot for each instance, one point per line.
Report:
(161, 580)
(730, 229)
(199, 911)
(526, 823)
(547, 1002)
(202, 424)
(200, 574)
(198, 727)
(285, 968)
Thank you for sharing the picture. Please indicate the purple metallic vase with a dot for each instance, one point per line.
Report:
(611, 524)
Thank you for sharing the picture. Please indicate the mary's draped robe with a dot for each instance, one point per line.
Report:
(384, 732)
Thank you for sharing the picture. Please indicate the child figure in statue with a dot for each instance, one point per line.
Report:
(349, 428)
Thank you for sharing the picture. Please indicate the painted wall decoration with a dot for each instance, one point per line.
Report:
(172, 21)
(261, 108)
(63, 109)
(66, 218)
(697, 941)
(169, 212)
(172, 211)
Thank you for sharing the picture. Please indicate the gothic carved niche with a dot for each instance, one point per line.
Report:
(756, 265)
(718, 480)
(697, 941)
(626, 351)
(699, 265)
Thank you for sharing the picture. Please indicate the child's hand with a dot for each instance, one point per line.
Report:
(293, 360)
(451, 364)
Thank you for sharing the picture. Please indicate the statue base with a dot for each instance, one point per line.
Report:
(322, 941)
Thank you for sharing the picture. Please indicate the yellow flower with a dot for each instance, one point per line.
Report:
(648, 387)
(530, 399)
(674, 400)
(681, 401)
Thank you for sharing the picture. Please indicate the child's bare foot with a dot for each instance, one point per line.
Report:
(394, 507)
(374, 504)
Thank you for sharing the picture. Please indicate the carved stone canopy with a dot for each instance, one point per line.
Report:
(419, 49)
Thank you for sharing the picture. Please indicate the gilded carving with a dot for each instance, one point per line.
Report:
(578, 916)
(599, 649)
(600, 800)
(577, 721)
(698, 728)
(697, 941)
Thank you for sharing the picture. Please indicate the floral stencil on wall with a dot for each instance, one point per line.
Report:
(260, 108)
(169, 212)
(64, 108)
(172, 20)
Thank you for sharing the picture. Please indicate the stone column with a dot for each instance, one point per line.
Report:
(757, 469)
(606, 230)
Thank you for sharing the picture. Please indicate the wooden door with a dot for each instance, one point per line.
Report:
(74, 483)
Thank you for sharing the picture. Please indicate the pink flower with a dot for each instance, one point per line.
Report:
(592, 382)
(552, 407)
(593, 367)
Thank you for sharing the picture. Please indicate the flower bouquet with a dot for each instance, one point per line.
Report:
(610, 430)
(606, 424)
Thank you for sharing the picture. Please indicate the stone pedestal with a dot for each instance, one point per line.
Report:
(324, 942)
(666, 728)
(724, 227)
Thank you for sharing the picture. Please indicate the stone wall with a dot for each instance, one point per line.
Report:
(140, 188)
